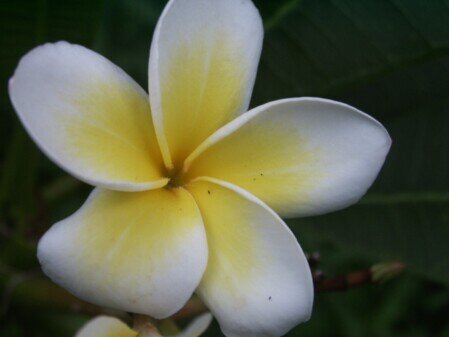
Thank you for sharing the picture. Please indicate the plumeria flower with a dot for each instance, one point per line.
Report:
(105, 326)
(190, 188)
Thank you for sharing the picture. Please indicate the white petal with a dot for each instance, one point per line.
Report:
(257, 282)
(202, 68)
(301, 156)
(104, 326)
(139, 252)
(88, 116)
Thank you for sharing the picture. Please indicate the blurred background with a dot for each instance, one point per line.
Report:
(389, 58)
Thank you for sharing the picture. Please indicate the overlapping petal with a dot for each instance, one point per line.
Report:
(104, 326)
(257, 281)
(301, 156)
(202, 68)
(142, 252)
(88, 116)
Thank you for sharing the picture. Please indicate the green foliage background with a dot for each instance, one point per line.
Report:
(389, 58)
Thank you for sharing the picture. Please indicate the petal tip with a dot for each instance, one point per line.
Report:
(47, 248)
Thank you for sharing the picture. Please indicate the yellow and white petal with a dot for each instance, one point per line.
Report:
(202, 68)
(142, 252)
(301, 156)
(88, 116)
(197, 327)
(258, 281)
(105, 326)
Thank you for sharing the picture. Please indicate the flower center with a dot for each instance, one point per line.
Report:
(176, 178)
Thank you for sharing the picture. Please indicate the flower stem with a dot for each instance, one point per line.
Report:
(145, 326)
(379, 273)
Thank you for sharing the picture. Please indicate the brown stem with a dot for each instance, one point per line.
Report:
(145, 326)
(344, 282)
(377, 274)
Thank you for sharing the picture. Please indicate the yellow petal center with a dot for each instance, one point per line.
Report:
(204, 88)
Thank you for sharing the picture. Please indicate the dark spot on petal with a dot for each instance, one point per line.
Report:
(208, 192)
(269, 298)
